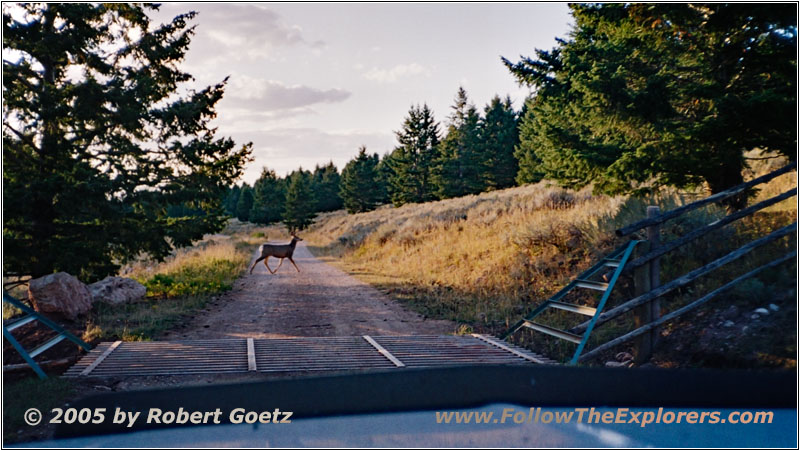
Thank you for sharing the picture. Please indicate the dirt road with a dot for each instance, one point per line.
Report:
(319, 301)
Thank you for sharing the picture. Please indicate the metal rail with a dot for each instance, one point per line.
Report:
(691, 306)
(730, 192)
(689, 277)
(697, 233)
(33, 315)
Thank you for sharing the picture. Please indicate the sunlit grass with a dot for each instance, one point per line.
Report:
(177, 287)
(486, 260)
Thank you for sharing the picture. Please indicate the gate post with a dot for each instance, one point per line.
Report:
(643, 344)
(645, 278)
(654, 237)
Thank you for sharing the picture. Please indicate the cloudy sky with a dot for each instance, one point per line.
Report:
(310, 83)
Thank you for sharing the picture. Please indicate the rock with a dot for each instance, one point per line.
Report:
(761, 311)
(60, 293)
(729, 323)
(618, 364)
(755, 316)
(773, 307)
(117, 290)
(624, 356)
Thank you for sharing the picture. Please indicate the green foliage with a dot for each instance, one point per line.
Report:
(526, 151)
(245, 203)
(498, 135)
(384, 172)
(269, 195)
(98, 143)
(361, 185)
(300, 206)
(231, 200)
(325, 185)
(198, 278)
(459, 165)
(643, 95)
(410, 165)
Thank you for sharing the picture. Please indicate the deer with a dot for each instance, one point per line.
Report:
(280, 251)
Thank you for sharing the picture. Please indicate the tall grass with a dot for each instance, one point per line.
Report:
(177, 287)
(488, 259)
(476, 259)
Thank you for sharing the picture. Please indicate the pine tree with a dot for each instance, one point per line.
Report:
(411, 163)
(245, 203)
(499, 136)
(325, 185)
(383, 174)
(301, 204)
(645, 95)
(459, 166)
(269, 194)
(98, 141)
(232, 200)
(526, 152)
(361, 183)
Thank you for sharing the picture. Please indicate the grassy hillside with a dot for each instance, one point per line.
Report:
(486, 260)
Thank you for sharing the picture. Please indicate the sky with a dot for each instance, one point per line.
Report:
(312, 82)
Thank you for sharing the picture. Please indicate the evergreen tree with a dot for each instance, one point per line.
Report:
(232, 200)
(361, 183)
(301, 204)
(98, 142)
(382, 176)
(459, 166)
(325, 185)
(643, 95)
(411, 163)
(499, 136)
(269, 194)
(245, 203)
(530, 165)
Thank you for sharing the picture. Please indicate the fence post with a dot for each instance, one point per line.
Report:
(643, 345)
(645, 278)
(654, 237)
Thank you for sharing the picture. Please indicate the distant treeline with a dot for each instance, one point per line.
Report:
(475, 154)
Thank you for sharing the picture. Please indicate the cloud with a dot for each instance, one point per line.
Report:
(238, 25)
(270, 95)
(240, 31)
(396, 73)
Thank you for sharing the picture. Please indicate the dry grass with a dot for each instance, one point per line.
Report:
(474, 259)
(179, 286)
(486, 260)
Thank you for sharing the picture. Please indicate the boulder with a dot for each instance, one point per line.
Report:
(60, 293)
(613, 364)
(117, 290)
(624, 356)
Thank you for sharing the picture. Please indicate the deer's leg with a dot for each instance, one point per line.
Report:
(254, 264)
(279, 265)
(295, 264)
(267, 265)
